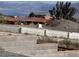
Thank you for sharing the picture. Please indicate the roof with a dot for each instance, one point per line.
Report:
(32, 19)
(10, 18)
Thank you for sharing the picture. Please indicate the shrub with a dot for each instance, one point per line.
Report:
(65, 42)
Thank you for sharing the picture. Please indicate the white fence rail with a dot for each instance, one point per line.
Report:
(36, 31)
(74, 35)
(9, 28)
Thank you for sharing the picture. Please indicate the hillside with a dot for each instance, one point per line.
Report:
(64, 24)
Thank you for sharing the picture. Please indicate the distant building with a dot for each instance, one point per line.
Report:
(10, 19)
(42, 14)
(48, 17)
(32, 19)
(23, 19)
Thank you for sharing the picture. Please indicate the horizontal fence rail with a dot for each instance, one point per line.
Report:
(37, 31)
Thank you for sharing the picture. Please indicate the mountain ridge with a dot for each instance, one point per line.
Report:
(24, 8)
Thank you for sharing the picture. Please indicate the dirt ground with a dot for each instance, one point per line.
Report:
(20, 45)
(24, 45)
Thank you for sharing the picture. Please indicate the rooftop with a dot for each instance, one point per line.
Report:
(32, 19)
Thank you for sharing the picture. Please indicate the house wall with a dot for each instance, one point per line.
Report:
(48, 17)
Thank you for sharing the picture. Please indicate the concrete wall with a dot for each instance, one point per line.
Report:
(32, 31)
(74, 35)
(9, 28)
(36, 31)
(56, 33)
(41, 32)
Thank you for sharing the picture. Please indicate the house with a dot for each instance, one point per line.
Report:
(27, 20)
(10, 19)
(33, 19)
(42, 14)
(14, 19)
(48, 17)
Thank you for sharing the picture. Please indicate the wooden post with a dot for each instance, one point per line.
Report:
(44, 32)
(20, 30)
(68, 35)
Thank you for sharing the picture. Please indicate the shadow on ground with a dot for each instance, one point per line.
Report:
(4, 53)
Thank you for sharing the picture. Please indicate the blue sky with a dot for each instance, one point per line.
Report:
(38, 1)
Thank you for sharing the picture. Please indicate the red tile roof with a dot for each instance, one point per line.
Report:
(12, 19)
(32, 19)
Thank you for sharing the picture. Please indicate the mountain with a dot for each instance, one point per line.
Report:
(23, 8)
(76, 5)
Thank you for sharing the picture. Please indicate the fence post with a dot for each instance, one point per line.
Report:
(44, 32)
(20, 29)
(68, 35)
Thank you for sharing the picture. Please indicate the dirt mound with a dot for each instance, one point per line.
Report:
(65, 25)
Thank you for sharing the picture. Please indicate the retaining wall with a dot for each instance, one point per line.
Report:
(9, 28)
(41, 32)
(36, 31)
(74, 35)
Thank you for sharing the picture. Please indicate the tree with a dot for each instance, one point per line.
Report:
(1, 18)
(63, 10)
(35, 15)
(31, 14)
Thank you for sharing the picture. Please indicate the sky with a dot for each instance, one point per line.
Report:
(49, 2)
